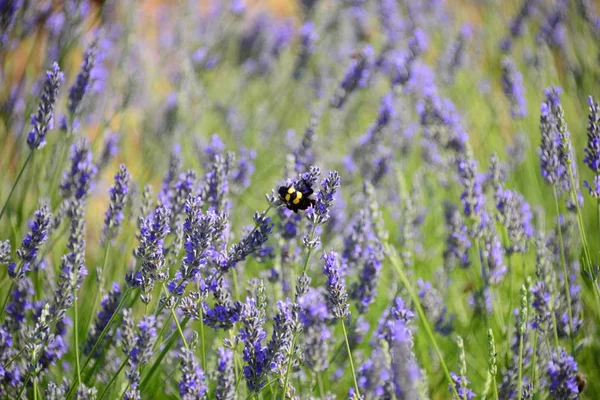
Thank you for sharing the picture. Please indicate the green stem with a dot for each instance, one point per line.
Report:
(76, 340)
(268, 384)
(586, 248)
(350, 358)
(14, 358)
(598, 218)
(35, 389)
(554, 325)
(113, 379)
(396, 262)
(95, 367)
(169, 343)
(565, 273)
(16, 183)
(12, 286)
(179, 329)
(320, 383)
(494, 387)
(312, 237)
(202, 349)
(98, 288)
(102, 334)
(25, 382)
(122, 395)
(164, 286)
(520, 366)
(533, 361)
(289, 366)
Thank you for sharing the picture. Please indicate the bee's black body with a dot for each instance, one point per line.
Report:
(296, 197)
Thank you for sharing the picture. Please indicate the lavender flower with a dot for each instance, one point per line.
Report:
(403, 65)
(225, 311)
(325, 197)
(73, 269)
(460, 384)
(150, 251)
(496, 175)
(250, 244)
(515, 214)
(225, 375)
(512, 85)
(445, 137)
(365, 290)
(472, 196)
(453, 57)
(374, 375)
(182, 189)
(493, 252)
(8, 12)
(337, 298)
(518, 150)
(313, 315)
(552, 30)
(457, 241)
(564, 327)
(216, 182)
(118, 197)
(5, 250)
(139, 351)
(369, 152)
(191, 386)
(201, 231)
(517, 23)
(357, 76)
(109, 151)
(39, 227)
(79, 88)
(552, 169)
(433, 305)
(256, 357)
(308, 37)
(175, 162)
(460, 381)
(240, 175)
(56, 392)
(561, 372)
(84, 392)
(586, 9)
(405, 370)
(592, 151)
(77, 180)
(390, 19)
(20, 303)
(304, 153)
(42, 121)
(556, 154)
(510, 383)
(280, 346)
(108, 307)
(544, 287)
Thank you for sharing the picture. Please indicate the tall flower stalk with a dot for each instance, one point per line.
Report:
(41, 122)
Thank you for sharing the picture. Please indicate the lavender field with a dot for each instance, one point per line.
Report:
(312, 199)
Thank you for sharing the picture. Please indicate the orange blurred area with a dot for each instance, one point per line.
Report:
(278, 7)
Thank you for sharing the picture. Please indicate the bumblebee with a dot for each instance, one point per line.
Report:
(296, 197)
(581, 382)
